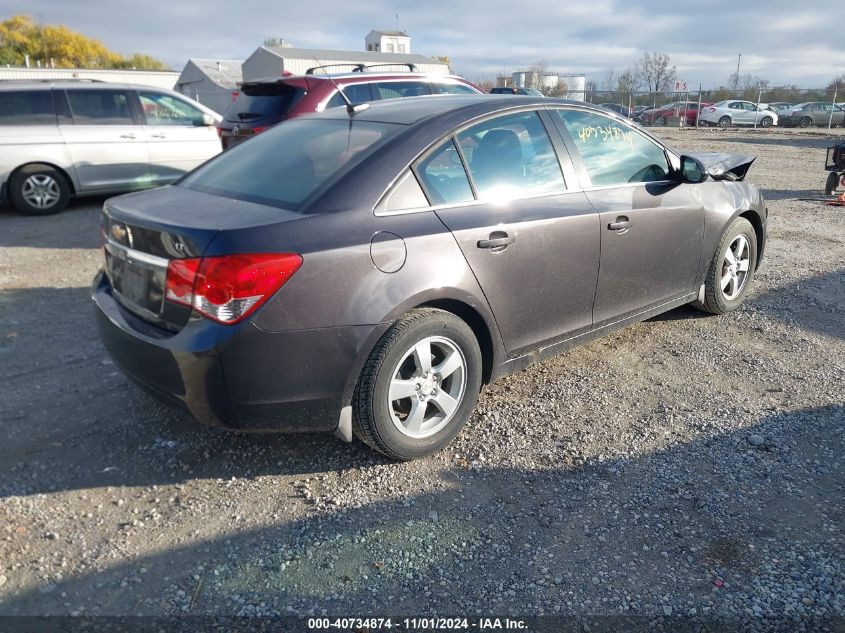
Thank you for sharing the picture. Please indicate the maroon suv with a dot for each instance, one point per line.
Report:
(265, 102)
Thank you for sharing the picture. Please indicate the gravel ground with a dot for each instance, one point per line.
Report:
(689, 465)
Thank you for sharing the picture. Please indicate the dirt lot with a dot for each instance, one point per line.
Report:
(688, 465)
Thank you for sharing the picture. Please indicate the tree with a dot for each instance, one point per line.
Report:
(443, 59)
(628, 81)
(655, 71)
(57, 45)
(535, 75)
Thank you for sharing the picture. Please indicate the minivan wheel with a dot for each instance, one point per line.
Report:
(38, 190)
(419, 386)
(731, 269)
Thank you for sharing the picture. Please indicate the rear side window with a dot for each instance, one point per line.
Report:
(27, 107)
(511, 156)
(356, 93)
(444, 177)
(286, 164)
(454, 89)
(263, 101)
(100, 107)
(401, 89)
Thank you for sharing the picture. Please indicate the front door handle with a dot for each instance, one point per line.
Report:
(621, 225)
(130, 136)
(498, 241)
(158, 136)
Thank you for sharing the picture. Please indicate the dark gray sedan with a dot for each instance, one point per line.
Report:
(368, 270)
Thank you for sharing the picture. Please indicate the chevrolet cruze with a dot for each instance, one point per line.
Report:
(365, 270)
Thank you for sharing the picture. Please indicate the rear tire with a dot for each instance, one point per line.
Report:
(419, 386)
(731, 269)
(725, 121)
(38, 190)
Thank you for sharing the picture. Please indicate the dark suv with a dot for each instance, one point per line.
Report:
(265, 102)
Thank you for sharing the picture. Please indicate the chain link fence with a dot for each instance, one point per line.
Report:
(753, 107)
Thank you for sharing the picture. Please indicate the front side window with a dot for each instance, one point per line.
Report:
(613, 153)
(511, 156)
(27, 107)
(162, 109)
(289, 162)
(100, 107)
(443, 175)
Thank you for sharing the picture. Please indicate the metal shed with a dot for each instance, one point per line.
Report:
(272, 61)
(210, 81)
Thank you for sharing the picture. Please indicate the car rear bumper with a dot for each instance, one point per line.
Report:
(237, 377)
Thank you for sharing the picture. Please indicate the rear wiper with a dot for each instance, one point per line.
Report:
(243, 116)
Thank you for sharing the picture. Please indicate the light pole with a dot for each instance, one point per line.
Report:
(736, 80)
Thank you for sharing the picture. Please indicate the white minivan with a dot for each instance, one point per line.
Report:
(76, 137)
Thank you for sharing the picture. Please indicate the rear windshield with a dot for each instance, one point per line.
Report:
(262, 101)
(286, 164)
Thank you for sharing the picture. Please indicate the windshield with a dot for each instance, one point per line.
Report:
(286, 164)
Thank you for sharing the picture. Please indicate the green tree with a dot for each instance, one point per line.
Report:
(60, 46)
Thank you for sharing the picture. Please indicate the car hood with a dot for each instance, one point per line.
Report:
(725, 166)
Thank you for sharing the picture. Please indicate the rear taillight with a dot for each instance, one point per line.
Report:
(256, 130)
(219, 131)
(229, 288)
(712, 109)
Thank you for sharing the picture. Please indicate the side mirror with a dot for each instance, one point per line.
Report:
(206, 120)
(692, 171)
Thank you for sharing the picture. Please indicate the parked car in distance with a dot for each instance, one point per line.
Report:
(778, 106)
(510, 90)
(616, 107)
(263, 103)
(813, 113)
(662, 115)
(366, 272)
(737, 112)
(67, 138)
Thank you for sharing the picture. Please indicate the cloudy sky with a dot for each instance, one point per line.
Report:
(784, 41)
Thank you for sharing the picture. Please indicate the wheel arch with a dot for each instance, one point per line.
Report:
(43, 163)
(757, 222)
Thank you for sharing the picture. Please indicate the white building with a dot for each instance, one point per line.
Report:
(571, 86)
(210, 81)
(388, 42)
(273, 61)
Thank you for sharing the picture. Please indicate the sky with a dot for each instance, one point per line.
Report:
(784, 41)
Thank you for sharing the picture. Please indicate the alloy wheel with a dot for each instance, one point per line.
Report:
(41, 191)
(735, 264)
(427, 387)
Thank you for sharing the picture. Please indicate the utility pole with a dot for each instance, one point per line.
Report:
(736, 80)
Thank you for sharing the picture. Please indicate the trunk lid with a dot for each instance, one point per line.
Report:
(144, 231)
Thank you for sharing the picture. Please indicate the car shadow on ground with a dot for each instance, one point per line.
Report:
(793, 194)
(78, 226)
(689, 525)
(804, 142)
(72, 421)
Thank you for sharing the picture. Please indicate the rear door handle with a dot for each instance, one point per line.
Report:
(497, 241)
(622, 224)
(129, 136)
(158, 136)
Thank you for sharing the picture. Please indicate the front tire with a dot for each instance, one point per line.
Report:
(419, 386)
(766, 121)
(38, 190)
(805, 122)
(731, 269)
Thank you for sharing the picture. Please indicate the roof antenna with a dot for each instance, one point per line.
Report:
(351, 109)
